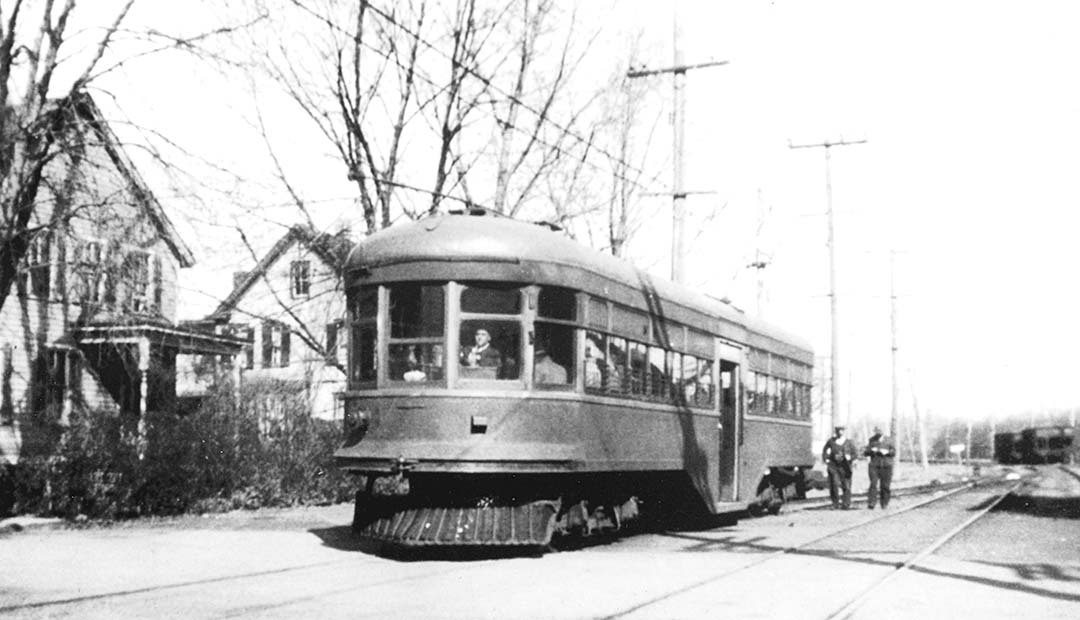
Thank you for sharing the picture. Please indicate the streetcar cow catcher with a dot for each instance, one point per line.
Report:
(507, 385)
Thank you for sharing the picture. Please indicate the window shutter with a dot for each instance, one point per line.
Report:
(285, 333)
(267, 343)
(159, 288)
(331, 342)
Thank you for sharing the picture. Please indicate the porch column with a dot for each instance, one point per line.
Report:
(237, 374)
(144, 367)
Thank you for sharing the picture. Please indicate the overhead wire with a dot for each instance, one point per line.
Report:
(488, 82)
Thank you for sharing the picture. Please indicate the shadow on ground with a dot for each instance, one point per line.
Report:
(1056, 507)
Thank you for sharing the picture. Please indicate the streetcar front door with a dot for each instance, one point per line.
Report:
(729, 430)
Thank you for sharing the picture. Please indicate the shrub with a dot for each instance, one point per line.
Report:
(228, 454)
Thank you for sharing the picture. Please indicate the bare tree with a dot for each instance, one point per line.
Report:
(600, 197)
(424, 102)
(32, 37)
(46, 63)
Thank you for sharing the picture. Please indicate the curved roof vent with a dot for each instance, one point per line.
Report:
(554, 226)
(473, 210)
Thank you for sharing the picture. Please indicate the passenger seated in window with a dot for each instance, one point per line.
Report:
(482, 355)
(547, 370)
(593, 373)
(415, 372)
(406, 363)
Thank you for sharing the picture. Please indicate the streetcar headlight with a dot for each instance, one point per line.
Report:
(355, 421)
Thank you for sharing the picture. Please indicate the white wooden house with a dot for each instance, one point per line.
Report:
(91, 322)
(290, 308)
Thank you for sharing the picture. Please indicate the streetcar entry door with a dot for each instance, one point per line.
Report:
(729, 430)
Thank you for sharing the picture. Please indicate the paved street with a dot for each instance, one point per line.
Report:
(306, 563)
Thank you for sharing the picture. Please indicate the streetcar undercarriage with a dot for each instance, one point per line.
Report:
(532, 510)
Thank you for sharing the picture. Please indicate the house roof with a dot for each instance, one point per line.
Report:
(333, 250)
(82, 105)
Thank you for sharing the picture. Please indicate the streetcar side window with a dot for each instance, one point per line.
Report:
(553, 355)
(771, 395)
(602, 374)
(750, 391)
(704, 391)
(554, 345)
(557, 303)
(658, 373)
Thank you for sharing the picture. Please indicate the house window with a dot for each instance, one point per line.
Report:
(88, 271)
(135, 276)
(333, 331)
(58, 370)
(248, 333)
(300, 276)
(7, 371)
(36, 276)
(275, 345)
(159, 283)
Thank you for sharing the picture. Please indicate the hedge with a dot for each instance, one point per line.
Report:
(228, 454)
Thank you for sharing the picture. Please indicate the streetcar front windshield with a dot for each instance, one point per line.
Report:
(490, 331)
(416, 345)
(425, 333)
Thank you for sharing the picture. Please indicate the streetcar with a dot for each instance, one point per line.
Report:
(507, 385)
(1035, 446)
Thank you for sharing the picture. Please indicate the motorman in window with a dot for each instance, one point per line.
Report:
(482, 355)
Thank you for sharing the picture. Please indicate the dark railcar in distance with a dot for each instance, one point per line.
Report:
(594, 395)
(1007, 448)
(1036, 446)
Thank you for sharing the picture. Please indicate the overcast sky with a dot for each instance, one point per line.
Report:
(971, 113)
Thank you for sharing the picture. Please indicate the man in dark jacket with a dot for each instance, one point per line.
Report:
(839, 455)
(881, 452)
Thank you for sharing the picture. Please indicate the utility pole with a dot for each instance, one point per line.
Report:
(834, 345)
(678, 120)
(759, 263)
(894, 421)
(920, 425)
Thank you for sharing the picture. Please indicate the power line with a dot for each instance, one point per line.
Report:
(678, 191)
(488, 83)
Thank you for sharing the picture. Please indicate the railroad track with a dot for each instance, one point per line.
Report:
(848, 610)
(994, 490)
(860, 499)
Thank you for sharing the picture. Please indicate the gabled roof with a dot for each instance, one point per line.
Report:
(85, 110)
(331, 249)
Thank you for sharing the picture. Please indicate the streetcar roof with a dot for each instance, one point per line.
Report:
(478, 236)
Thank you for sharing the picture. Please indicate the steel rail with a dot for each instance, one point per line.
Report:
(922, 489)
(1069, 470)
(848, 610)
(783, 552)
